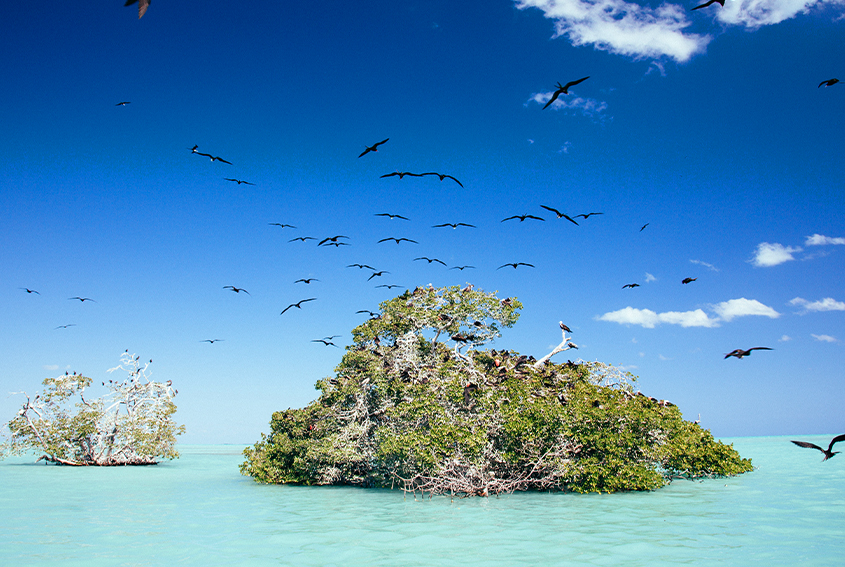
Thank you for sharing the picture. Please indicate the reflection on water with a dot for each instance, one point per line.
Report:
(200, 510)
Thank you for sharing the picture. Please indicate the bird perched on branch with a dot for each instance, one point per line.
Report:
(828, 453)
(739, 353)
(564, 327)
(373, 148)
(564, 89)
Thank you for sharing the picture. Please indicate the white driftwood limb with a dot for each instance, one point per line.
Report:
(566, 344)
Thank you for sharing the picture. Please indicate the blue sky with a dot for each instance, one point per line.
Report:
(707, 125)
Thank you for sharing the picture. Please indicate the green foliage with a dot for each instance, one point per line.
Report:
(406, 408)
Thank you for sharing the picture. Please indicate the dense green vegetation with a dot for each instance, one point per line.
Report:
(407, 409)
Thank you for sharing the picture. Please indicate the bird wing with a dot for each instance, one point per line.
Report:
(760, 348)
(554, 98)
(573, 83)
(555, 211)
(524, 264)
(223, 160)
(533, 217)
(455, 180)
(365, 152)
(390, 174)
(836, 440)
(807, 445)
(509, 218)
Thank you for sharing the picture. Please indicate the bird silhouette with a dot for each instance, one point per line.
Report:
(461, 268)
(124, 103)
(522, 218)
(82, 299)
(631, 285)
(443, 176)
(337, 244)
(453, 225)
(373, 148)
(560, 215)
(65, 326)
(142, 6)
(307, 280)
(515, 264)
(430, 260)
(361, 266)
(402, 174)
(26, 289)
(332, 239)
(282, 225)
(688, 280)
(302, 238)
(236, 289)
(212, 341)
(298, 304)
(370, 313)
(377, 275)
(642, 228)
(828, 83)
(238, 181)
(739, 353)
(720, 2)
(828, 453)
(326, 341)
(389, 286)
(564, 89)
(391, 216)
(397, 240)
(587, 215)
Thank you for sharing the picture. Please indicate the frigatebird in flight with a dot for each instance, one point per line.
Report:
(453, 225)
(389, 286)
(377, 274)
(236, 289)
(631, 285)
(302, 238)
(298, 304)
(65, 326)
(373, 148)
(461, 268)
(124, 103)
(587, 215)
(26, 289)
(326, 342)
(739, 353)
(361, 266)
(688, 280)
(282, 225)
(397, 240)
(430, 260)
(238, 181)
(643, 227)
(523, 217)
(212, 341)
(142, 6)
(515, 264)
(332, 239)
(828, 83)
(82, 299)
(391, 216)
(564, 89)
(560, 215)
(402, 174)
(307, 280)
(827, 453)
(708, 3)
(443, 176)
(209, 156)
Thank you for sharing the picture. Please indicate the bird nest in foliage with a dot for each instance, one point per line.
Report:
(406, 410)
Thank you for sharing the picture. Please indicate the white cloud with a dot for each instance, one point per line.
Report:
(706, 265)
(785, 338)
(564, 149)
(755, 13)
(51, 367)
(826, 304)
(825, 338)
(649, 319)
(624, 28)
(742, 307)
(587, 106)
(820, 240)
(661, 357)
(772, 254)
(650, 278)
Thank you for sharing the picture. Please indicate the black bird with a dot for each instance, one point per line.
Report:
(124, 103)
(26, 289)
(238, 181)
(827, 453)
(298, 304)
(282, 225)
(430, 260)
(515, 264)
(631, 285)
(461, 268)
(397, 240)
(142, 6)
(370, 313)
(361, 266)
(443, 176)
(645, 225)
(560, 215)
(82, 299)
(564, 89)
(194, 149)
(739, 353)
(212, 341)
(209, 156)
(377, 275)
(391, 216)
(236, 289)
(828, 83)
(337, 244)
(720, 2)
(402, 174)
(688, 280)
(326, 341)
(523, 217)
(453, 225)
(307, 280)
(65, 326)
(373, 148)
(389, 286)
(564, 327)
(331, 239)
(302, 238)
(587, 215)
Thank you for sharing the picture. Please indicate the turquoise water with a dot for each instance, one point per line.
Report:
(198, 510)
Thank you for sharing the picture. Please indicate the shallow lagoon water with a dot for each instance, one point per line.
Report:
(198, 510)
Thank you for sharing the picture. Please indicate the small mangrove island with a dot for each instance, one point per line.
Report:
(416, 404)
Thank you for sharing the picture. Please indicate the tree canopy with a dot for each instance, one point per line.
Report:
(408, 409)
(131, 425)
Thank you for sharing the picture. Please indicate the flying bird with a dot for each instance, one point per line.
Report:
(587, 215)
(720, 2)
(361, 266)
(238, 181)
(739, 353)
(523, 217)
(564, 89)
(307, 280)
(142, 6)
(236, 289)
(82, 299)
(827, 453)
(389, 286)
(298, 304)
(337, 244)
(402, 174)
(515, 264)
(631, 285)
(373, 148)
(302, 238)
(461, 268)
(560, 215)
(688, 280)
(332, 239)
(397, 240)
(443, 176)
(26, 289)
(326, 341)
(282, 225)
(391, 216)
(643, 227)
(212, 341)
(377, 274)
(454, 225)
(65, 326)
(124, 103)
(370, 313)
(430, 260)
(828, 83)
(209, 156)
